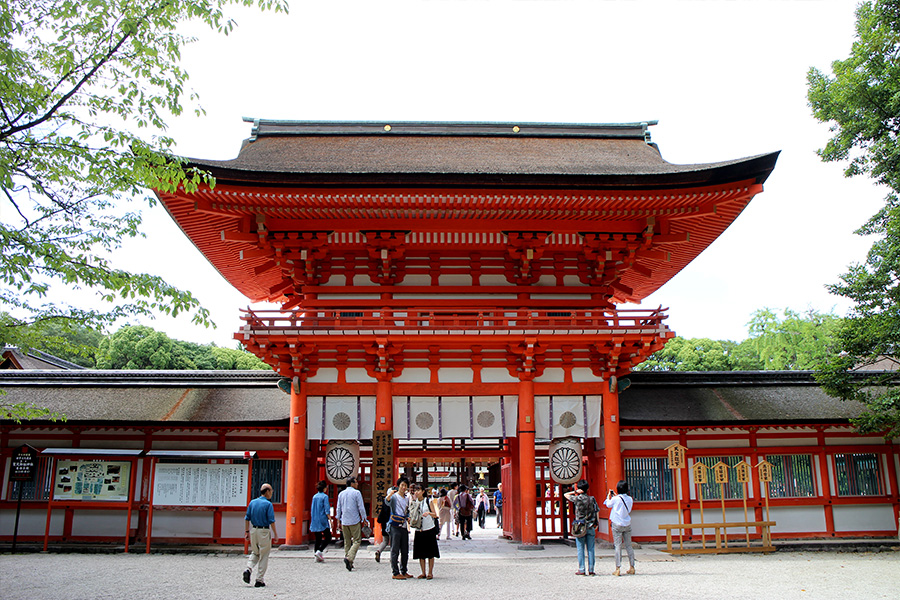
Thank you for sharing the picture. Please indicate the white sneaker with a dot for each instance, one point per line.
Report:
(319, 557)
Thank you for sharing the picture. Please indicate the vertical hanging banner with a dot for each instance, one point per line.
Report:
(382, 468)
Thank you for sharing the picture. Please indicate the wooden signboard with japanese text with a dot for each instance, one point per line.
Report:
(382, 468)
(24, 464)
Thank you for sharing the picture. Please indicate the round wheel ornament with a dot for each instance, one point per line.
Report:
(341, 461)
(565, 460)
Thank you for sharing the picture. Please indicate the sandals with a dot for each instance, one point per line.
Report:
(429, 577)
(422, 576)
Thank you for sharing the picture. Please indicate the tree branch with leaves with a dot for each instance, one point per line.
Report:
(861, 103)
(86, 88)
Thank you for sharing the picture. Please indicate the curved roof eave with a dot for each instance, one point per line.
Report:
(755, 168)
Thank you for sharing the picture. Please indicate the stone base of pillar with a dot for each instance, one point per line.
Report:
(530, 547)
(294, 547)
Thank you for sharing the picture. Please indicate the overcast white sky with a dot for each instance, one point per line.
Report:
(725, 79)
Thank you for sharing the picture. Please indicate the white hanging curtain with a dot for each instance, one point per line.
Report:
(567, 416)
(419, 417)
(340, 417)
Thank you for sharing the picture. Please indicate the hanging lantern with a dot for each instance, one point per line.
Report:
(565, 460)
(341, 460)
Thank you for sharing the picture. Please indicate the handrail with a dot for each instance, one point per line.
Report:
(394, 319)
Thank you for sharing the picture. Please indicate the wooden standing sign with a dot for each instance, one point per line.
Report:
(742, 474)
(676, 455)
(720, 472)
(700, 477)
(764, 469)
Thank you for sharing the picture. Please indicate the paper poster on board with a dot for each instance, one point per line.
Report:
(91, 480)
(190, 484)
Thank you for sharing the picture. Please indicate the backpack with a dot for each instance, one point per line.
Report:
(465, 504)
(384, 515)
(415, 515)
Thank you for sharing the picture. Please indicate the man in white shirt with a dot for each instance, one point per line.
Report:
(351, 512)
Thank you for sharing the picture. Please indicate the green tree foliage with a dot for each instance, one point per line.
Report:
(63, 338)
(86, 87)
(139, 347)
(695, 354)
(792, 342)
(861, 102)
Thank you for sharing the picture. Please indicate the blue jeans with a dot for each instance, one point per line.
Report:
(586, 542)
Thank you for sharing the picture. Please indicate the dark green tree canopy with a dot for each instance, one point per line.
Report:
(141, 348)
(861, 103)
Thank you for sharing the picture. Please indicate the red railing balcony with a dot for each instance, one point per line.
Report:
(450, 321)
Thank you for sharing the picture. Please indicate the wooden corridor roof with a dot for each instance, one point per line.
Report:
(251, 398)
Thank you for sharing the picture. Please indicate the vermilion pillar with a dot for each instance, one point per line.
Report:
(384, 408)
(384, 421)
(296, 496)
(614, 470)
(527, 494)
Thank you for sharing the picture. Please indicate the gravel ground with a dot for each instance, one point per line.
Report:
(500, 573)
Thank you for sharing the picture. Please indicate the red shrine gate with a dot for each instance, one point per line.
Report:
(456, 283)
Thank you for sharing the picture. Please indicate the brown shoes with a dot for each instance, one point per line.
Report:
(402, 577)
(630, 571)
(616, 573)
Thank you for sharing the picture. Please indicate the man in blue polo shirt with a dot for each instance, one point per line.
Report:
(259, 529)
(498, 504)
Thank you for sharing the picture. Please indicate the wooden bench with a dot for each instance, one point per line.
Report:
(721, 536)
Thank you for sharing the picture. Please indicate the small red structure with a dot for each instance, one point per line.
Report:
(432, 266)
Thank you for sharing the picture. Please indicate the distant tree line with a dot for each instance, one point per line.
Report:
(133, 347)
(790, 342)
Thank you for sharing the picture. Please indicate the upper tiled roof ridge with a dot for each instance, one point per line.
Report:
(275, 127)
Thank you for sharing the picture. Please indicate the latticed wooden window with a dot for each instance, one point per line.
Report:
(858, 475)
(39, 488)
(734, 490)
(271, 472)
(649, 479)
(792, 476)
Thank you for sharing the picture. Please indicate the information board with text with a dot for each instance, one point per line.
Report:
(176, 484)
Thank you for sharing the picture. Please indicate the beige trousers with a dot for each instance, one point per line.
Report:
(352, 540)
(260, 545)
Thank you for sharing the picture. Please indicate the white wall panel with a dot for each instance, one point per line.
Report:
(867, 517)
(497, 376)
(413, 376)
(358, 375)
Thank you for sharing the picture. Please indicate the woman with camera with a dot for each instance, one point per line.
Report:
(620, 503)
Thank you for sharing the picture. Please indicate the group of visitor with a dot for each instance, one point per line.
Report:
(427, 513)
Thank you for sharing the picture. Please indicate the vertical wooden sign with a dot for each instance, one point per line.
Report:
(764, 471)
(720, 472)
(676, 455)
(700, 477)
(742, 474)
(382, 468)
